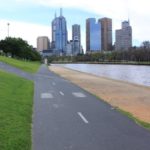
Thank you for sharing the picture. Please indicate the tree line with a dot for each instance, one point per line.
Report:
(18, 48)
(134, 54)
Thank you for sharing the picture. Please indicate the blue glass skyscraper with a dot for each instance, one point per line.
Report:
(59, 34)
(93, 35)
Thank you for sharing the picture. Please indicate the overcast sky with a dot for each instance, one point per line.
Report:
(32, 18)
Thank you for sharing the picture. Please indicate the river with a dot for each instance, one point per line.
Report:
(130, 73)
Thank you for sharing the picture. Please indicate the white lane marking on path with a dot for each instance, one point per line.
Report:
(78, 94)
(53, 83)
(61, 93)
(82, 117)
(46, 95)
(55, 105)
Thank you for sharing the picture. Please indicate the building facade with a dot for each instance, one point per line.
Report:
(43, 43)
(69, 48)
(124, 37)
(76, 38)
(59, 34)
(93, 35)
(106, 33)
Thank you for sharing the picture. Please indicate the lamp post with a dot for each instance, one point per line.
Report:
(8, 24)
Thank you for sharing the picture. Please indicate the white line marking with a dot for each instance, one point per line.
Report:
(53, 83)
(82, 117)
(112, 108)
(78, 94)
(46, 95)
(61, 93)
(55, 105)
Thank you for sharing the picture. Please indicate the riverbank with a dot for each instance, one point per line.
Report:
(106, 62)
(131, 98)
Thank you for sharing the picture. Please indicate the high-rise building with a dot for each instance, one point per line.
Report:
(76, 38)
(69, 48)
(93, 35)
(59, 34)
(124, 37)
(106, 33)
(43, 43)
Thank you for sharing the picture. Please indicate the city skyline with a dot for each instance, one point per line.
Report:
(26, 17)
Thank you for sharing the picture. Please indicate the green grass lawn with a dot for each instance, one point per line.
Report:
(16, 99)
(27, 66)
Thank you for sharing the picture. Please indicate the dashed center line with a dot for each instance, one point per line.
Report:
(78, 94)
(46, 95)
(61, 93)
(83, 118)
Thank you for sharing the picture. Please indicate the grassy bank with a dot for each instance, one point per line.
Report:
(27, 66)
(105, 62)
(16, 96)
(144, 124)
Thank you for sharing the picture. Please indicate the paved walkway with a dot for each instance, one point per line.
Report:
(17, 71)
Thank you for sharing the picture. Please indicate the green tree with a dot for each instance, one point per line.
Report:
(19, 48)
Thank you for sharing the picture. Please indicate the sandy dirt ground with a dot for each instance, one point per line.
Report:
(126, 96)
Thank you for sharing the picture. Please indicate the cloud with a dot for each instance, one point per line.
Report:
(109, 8)
(27, 31)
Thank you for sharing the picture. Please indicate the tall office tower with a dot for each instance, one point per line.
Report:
(106, 33)
(124, 37)
(59, 34)
(43, 43)
(93, 35)
(76, 38)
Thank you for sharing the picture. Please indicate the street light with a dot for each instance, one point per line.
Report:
(8, 28)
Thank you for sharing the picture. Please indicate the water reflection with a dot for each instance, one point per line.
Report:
(131, 73)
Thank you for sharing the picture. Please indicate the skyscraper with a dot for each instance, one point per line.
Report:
(93, 35)
(43, 43)
(76, 38)
(59, 34)
(106, 33)
(124, 37)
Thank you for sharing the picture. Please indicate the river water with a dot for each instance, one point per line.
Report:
(130, 73)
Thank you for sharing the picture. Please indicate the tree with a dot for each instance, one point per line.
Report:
(19, 48)
(146, 44)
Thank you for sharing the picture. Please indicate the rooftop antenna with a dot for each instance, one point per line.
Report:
(128, 17)
(55, 15)
(61, 12)
(128, 10)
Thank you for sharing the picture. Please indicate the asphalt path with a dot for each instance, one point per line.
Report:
(68, 118)
(11, 69)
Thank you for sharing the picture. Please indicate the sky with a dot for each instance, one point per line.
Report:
(29, 19)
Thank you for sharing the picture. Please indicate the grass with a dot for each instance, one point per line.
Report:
(138, 121)
(106, 62)
(27, 66)
(16, 98)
